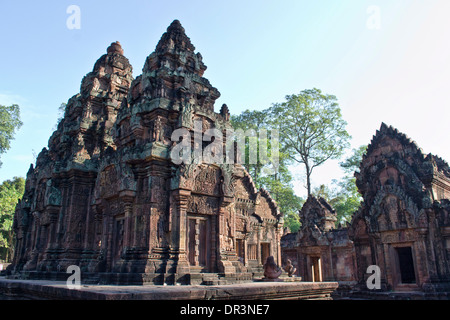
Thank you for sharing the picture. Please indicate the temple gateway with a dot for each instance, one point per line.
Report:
(106, 196)
(402, 226)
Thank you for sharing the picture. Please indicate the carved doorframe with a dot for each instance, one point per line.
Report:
(199, 242)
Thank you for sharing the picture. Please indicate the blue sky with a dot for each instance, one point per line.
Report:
(394, 71)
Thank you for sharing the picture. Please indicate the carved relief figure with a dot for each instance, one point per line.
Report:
(187, 114)
(158, 134)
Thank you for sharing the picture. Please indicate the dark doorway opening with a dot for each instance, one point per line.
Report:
(265, 252)
(240, 248)
(191, 242)
(406, 264)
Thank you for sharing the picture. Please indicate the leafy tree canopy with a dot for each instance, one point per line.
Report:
(311, 129)
(343, 196)
(10, 193)
(9, 123)
(278, 183)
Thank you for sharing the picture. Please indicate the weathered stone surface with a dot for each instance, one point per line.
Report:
(106, 195)
(402, 222)
(402, 226)
(39, 289)
(319, 251)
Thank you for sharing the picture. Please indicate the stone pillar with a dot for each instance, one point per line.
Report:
(258, 245)
(181, 197)
(223, 262)
(388, 270)
(128, 232)
(422, 263)
(196, 241)
(245, 250)
(108, 224)
(278, 233)
(214, 244)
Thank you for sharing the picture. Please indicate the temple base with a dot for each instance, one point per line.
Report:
(44, 289)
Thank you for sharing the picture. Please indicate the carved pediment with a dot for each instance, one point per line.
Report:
(200, 204)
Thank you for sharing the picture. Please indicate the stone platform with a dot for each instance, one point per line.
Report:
(57, 290)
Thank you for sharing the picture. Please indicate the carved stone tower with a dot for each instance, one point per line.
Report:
(109, 197)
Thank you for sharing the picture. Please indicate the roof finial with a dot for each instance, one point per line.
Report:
(115, 47)
(175, 37)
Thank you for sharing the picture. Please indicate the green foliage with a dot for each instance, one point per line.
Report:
(10, 193)
(251, 120)
(279, 184)
(351, 164)
(292, 221)
(311, 129)
(9, 123)
(282, 192)
(344, 196)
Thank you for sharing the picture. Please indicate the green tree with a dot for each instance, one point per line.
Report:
(343, 196)
(311, 129)
(9, 123)
(10, 193)
(278, 182)
(281, 189)
(351, 198)
(251, 120)
(351, 164)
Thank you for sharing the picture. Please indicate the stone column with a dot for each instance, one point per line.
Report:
(422, 263)
(108, 227)
(278, 232)
(214, 243)
(128, 232)
(245, 250)
(53, 212)
(181, 197)
(258, 246)
(224, 265)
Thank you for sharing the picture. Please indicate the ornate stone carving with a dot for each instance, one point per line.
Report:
(106, 195)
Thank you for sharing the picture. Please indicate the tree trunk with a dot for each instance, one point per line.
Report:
(308, 178)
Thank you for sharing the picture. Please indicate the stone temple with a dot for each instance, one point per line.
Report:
(106, 196)
(402, 225)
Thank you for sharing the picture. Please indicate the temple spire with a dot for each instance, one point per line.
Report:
(115, 47)
(175, 38)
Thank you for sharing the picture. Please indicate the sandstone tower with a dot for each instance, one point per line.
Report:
(106, 195)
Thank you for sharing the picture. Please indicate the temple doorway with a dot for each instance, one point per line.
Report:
(406, 265)
(199, 243)
(316, 269)
(240, 249)
(265, 252)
